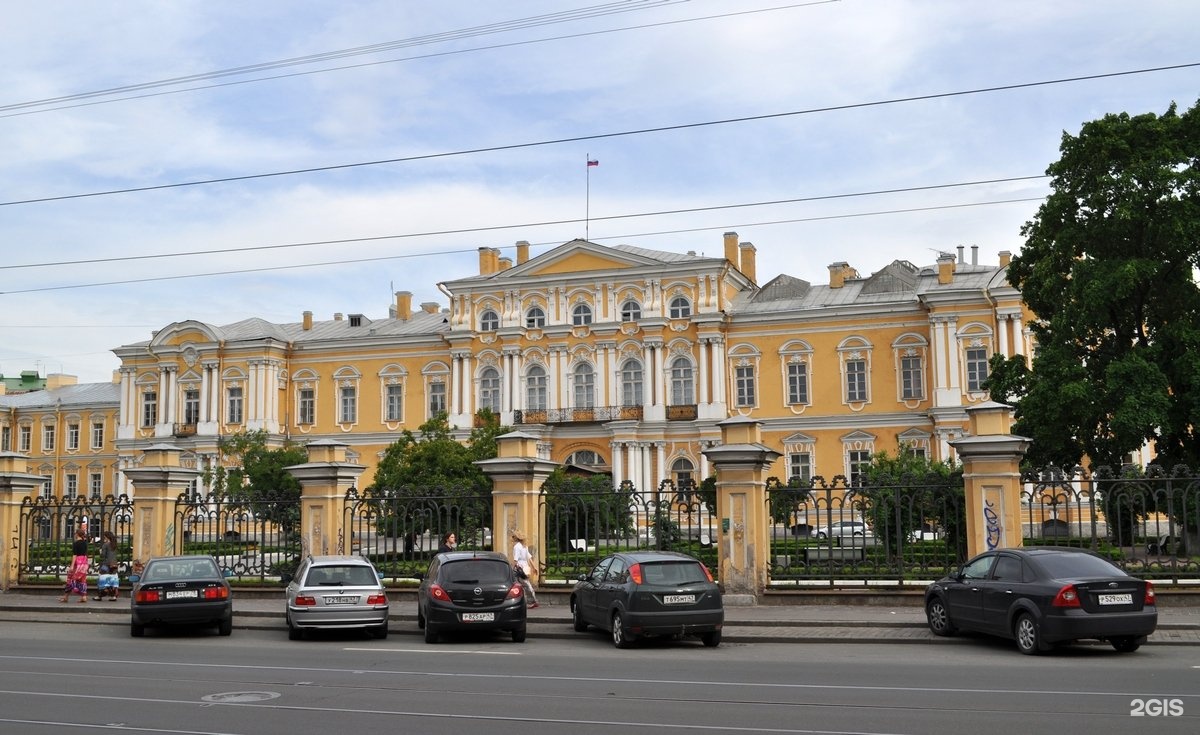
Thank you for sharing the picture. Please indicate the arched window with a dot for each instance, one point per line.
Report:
(489, 389)
(581, 315)
(585, 458)
(632, 391)
(585, 386)
(535, 318)
(680, 308)
(535, 388)
(683, 386)
(631, 311)
(682, 472)
(489, 321)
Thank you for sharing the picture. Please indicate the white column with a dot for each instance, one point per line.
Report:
(661, 461)
(647, 379)
(702, 387)
(718, 371)
(1002, 333)
(505, 383)
(601, 377)
(127, 406)
(660, 396)
(455, 397)
(162, 395)
(617, 466)
(1019, 347)
(647, 477)
(467, 389)
(952, 344)
(614, 377)
(703, 462)
(564, 385)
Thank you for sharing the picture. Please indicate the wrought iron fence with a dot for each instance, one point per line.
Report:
(583, 526)
(252, 540)
(832, 533)
(1145, 521)
(47, 528)
(400, 529)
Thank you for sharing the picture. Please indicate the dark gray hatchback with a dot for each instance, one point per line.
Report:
(649, 593)
(468, 590)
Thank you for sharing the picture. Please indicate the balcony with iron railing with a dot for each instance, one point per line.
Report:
(592, 415)
(681, 413)
(184, 429)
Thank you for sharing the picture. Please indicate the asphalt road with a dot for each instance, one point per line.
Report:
(93, 678)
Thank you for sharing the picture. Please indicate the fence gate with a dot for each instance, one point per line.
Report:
(400, 529)
(250, 539)
(47, 528)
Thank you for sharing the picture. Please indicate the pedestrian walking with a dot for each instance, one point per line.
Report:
(77, 572)
(524, 565)
(108, 582)
(449, 543)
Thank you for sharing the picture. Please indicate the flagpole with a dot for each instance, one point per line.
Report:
(587, 199)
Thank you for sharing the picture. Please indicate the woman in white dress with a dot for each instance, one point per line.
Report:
(523, 563)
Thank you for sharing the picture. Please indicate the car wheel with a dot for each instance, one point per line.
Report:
(1126, 644)
(225, 627)
(137, 631)
(518, 635)
(380, 631)
(1029, 638)
(577, 620)
(294, 633)
(620, 638)
(431, 635)
(820, 534)
(420, 619)
(712, 640)
(938, 617)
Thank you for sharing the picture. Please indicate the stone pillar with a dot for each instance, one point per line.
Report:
(517, 476)
(15, 486)
(157, 482)
(324, 481)
(991, 459)
(743, 536)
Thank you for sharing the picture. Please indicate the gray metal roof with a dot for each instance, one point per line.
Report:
(82, 394)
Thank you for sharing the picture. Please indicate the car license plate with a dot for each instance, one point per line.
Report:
(177, 594)
(678, 599)
(1126, 599)
(343, 600)
(478, 617)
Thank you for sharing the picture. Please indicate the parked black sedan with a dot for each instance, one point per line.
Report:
(181, 590)
(1040, 597)
(469, 591)
(649, 593)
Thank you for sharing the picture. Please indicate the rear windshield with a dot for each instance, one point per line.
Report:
(1067, 566)
(475, 571)
(157, 571)
(337, 575)
(673, 572)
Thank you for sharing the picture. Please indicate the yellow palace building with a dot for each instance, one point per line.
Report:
(618, 358)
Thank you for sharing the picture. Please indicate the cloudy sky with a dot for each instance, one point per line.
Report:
(362, 147)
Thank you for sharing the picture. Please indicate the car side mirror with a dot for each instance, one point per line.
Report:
(583, 577)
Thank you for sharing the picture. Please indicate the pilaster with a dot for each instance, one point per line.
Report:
(15, 486)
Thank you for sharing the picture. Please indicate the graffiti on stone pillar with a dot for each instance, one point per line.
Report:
(991, 523)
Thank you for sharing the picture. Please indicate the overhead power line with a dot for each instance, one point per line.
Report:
(520, 225)
(407, 256)
(601, 136)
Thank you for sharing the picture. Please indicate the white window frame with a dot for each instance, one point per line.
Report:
(72, 436)
(49, 437)
(490, 386)
(581, 315)
(306, 405)
(683, 382)
(489, 321)
(680, 308)
(347, 404)
(97, 435)
(583, 386)
(393, 395)
(633, 382)
(535, 318)
(631, 310)
(536, 388)
(149, 409)
(235, 405)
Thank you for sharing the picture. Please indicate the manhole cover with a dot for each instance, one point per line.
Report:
(240, 696)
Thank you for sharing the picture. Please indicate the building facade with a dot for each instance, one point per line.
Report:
(620, 359)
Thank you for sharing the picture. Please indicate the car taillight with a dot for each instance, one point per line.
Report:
(148, 596)
(437, 593)
(1067, 597)
(377, 600)
(1149, 598)
(706, 572)
(516, 591)
(635, 573)
(215, 593)
(305, 600)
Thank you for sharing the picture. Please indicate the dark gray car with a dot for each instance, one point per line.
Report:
(469, 591)
(649, 593)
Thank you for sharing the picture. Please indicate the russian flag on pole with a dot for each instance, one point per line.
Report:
(593, 163)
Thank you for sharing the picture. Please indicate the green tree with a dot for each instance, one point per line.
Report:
(1109, 268)
(586, 507)
(251, 477)
(902, 494)
(428, 480)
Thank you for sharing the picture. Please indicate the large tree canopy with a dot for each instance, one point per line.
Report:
(1109, 266)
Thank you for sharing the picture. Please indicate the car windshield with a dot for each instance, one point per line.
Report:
(184, 569)
(1067, 566)
(341, 575)
(475, 571)
(673, 572)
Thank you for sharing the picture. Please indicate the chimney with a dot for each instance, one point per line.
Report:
(485, 261)
(306, 324)
(522, 251)
(945, 263)
(58, 380)
(748, 252)
(731, 249)
(337, 316)
(974, 255)
(403, 305)
(837, 274)
(960, 255)
(505, 263)
(429, 307)
(1005, 258)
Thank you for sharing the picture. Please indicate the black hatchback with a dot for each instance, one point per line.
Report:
(468, 591)
(649, 593)
(1041, 597)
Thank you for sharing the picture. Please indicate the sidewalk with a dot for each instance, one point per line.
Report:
(792, 622)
